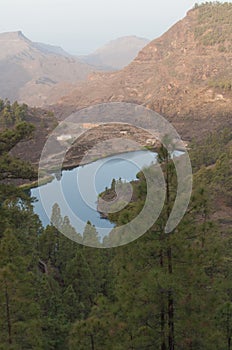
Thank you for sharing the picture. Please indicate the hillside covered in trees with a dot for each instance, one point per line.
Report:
(159, 292)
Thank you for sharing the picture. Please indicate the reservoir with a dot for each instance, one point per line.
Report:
(76, 191)
(82, 185)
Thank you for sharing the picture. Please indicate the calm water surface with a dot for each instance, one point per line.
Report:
(81, 186)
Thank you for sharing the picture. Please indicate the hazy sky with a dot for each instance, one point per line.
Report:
(81, 26)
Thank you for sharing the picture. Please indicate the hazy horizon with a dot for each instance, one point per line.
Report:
(80, 27)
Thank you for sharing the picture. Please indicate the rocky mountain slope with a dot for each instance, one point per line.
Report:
(186, 74)
(36, 73)
(117, 53)
(46, 48)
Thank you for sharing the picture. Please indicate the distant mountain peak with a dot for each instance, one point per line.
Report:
(117, 53)
(34, 72)
(17, 35)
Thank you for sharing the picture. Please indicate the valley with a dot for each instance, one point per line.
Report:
(116, 176)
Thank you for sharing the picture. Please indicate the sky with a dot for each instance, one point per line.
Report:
(81, 26)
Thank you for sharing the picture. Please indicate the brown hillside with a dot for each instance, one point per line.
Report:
(186, 74)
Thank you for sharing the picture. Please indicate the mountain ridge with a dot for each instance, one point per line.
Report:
(34, 73)
(177, 75)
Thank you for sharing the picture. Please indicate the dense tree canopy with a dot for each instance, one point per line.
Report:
(162, 292)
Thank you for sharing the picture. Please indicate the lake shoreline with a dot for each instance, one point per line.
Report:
(82, 196)
(68, 167)
(50, 175)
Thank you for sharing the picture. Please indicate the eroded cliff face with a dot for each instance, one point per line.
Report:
(184, 75)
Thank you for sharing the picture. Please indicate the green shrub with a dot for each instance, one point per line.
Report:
(214, 25)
